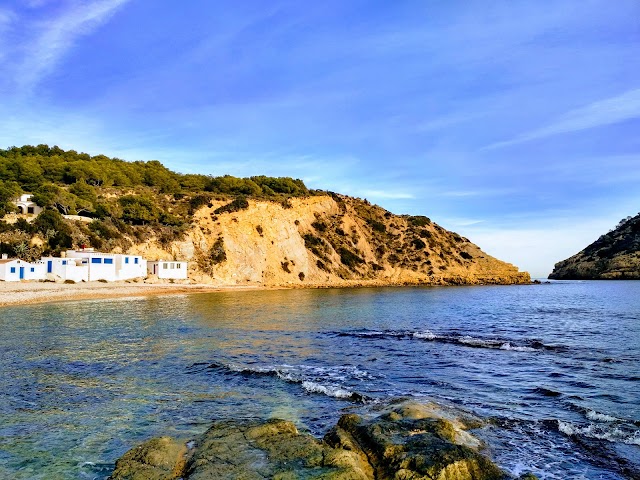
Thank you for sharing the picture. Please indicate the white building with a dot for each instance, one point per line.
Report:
(66, 268)
(168, 269)
(26, 206)
(89, 266)
(14, 270)
(35, 270)
(110, 266)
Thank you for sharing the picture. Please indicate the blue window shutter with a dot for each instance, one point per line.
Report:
(13, 269)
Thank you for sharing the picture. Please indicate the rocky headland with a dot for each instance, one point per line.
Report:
(405, 441)
(326, 240)
(614, 256)
(259, 231)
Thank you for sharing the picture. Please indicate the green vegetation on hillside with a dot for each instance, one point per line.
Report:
(126, 200)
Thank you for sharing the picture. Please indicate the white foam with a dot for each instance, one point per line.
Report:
(371, 333)
(467, 340)
(287, 376)
(508, 346)
(566, 428)
(330, 391)
(425, 335)
(600, 432)
(600, 417)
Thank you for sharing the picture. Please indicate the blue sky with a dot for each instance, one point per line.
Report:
(514, 123)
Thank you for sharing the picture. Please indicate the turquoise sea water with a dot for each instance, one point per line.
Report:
(555, 368)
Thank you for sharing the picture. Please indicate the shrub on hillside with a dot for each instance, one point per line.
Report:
(240, 203)
(418, 244)
(217, 253)
(377, 226)
(419, 221)
(349, 258)
(319, 225)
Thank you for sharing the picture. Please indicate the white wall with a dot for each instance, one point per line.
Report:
(35, 271)
(169, 269)
(5, 271)
(130, 266)
(67, 269)
(8, 276)
(102, 270)
(101, 266)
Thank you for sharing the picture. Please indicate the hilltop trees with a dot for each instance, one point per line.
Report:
(139, 209)
(32, 167)
(64, 201)
(136, 199)
(8, 191)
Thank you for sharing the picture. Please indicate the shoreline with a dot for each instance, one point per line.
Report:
(33, 292)
(30, 293)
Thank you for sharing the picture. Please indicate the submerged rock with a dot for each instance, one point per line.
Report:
(406, 442)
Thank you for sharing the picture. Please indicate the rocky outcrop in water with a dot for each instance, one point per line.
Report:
(614, 256)
(407, 442)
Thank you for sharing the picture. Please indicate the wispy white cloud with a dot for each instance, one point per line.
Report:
(37, 3)
(54, 37)
(608, 111)
(6, 17)
(456, 222)
(386, 195)
(446, 121)
(482, 192)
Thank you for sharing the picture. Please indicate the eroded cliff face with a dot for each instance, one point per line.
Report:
(614, 256)
(327, 240)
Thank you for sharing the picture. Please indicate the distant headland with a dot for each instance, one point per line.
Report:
(614, 256)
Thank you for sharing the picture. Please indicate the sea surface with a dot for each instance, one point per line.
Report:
(555, 369)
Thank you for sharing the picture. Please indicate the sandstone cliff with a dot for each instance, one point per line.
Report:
(615, 255)
(324, 240)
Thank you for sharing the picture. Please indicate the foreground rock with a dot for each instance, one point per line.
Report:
(614, 256)
(407, 442)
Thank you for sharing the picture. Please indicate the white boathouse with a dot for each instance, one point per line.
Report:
(14, 269)
(109, 266)
(168, 269)
(87, 265)
(67, 268)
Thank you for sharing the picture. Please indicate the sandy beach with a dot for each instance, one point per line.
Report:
(24, 293)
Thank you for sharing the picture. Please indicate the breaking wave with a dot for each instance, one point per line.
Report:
(599, 431)
(528, 346)
(327, 381)
(337, 392)
(600, 417)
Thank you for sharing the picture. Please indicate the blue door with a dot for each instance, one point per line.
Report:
(49, 266)
(21, 273)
